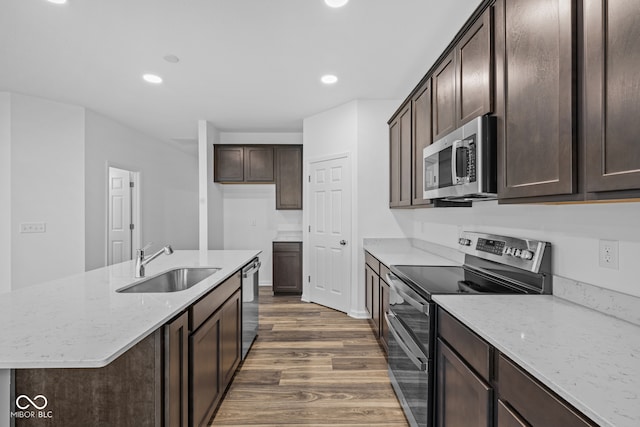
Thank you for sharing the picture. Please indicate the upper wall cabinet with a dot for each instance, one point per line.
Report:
(262, 164)
(535, 97)
(421, 138)
(236, 163)
(400, 158)
(611, 96)
(463, 82)
(289, 177)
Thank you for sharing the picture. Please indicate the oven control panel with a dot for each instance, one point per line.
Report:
(526, 254)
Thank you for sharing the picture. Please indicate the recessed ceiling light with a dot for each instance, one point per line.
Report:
(336, 3)
(57, 1)
(152, 78)
(173, 59)
(328, 79)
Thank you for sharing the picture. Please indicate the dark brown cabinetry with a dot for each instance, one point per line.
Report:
(176, 367)
(478, 386)
(444, 97)
(535, 97)
(377, 298)
(262, 164)
(287, 267)
(464, 396)
(522, 396)
(236, 163)
(400, 158)
(611, 96)
(422, 128)
(214, 348)
(289, 177)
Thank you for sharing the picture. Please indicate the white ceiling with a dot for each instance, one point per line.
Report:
(245, 65)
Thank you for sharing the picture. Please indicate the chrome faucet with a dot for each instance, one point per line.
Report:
(141, 261)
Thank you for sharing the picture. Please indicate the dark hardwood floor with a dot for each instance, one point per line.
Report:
(310, 366)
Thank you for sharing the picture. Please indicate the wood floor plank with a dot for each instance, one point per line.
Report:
(311, 366)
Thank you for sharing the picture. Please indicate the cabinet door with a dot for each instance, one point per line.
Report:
(228, 164)
(507, 417)
(535, 97)
(375, 305)
(205, 381)
(405, 157)
(176, 367)
(368, 290)
(463, 398)
(287, 267)
(230, 339)
(474, 94)
(612, 94)
(289, 177)
(421, 139)
(394, 163)
(258, 164)
(444, 97)
(384, 308)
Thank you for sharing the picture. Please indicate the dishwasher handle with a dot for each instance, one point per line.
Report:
(249, 270)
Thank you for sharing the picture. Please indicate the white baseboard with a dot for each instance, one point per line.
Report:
(359, 314)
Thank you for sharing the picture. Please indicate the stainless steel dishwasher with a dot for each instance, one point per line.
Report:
(250, 299)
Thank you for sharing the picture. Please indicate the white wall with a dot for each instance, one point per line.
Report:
(169, 186)
(249, 211)
(214, 195)
(5, 193)
(47, 185)
(573, 230)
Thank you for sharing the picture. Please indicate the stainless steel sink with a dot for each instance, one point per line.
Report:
(175, 280)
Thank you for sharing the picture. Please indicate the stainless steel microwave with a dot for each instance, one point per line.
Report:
(462, 165)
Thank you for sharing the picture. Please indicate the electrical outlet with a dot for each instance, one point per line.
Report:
(33, 227)
(608, 254)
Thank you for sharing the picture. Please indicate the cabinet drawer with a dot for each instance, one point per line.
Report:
(372, 262)
(287, 246)
(526, 396)
(201, 310)
(384, 270)
(471, 347)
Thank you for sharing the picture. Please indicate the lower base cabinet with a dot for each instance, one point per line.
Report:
(377, 298)
(176, 390)
(478, 386)
(287, 268)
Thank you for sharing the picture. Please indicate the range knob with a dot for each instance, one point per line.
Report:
(526, 254)
(464, 242)
(508, 251)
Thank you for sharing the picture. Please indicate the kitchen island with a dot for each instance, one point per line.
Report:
(81, 327)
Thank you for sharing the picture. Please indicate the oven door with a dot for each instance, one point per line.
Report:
(410, 363)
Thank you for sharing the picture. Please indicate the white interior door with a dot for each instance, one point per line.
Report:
(119, 216)
(330, 233)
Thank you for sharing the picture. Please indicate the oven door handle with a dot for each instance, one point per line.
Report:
(395, 331)
(407, 293)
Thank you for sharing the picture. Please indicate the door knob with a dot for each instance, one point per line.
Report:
(343, 242)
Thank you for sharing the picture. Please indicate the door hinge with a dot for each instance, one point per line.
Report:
(309, 229)
(131, 184)
(131, 227)
(309, 178)
(309, 279)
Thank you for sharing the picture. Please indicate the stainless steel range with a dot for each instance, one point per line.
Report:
(493, 265)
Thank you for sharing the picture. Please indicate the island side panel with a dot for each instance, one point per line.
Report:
(127, 392)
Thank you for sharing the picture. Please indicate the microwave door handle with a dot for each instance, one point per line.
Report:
(420, 364)
(399, 287)
(454, 160)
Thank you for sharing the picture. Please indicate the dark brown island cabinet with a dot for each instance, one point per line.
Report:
(477, 386)
(176, 377)
(377, 298)
(262, 164)
(456, 90)
(287, 268)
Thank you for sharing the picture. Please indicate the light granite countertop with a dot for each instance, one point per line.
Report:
(406, 252)
(82, 322)
(590, 359)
